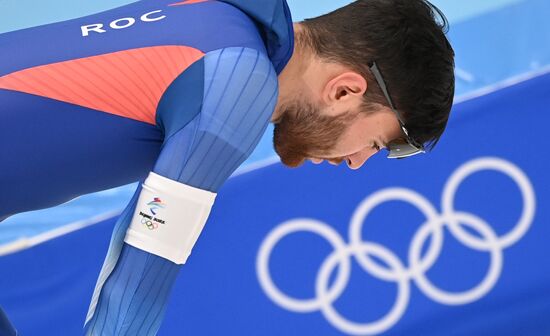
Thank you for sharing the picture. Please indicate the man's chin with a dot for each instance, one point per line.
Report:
(288, 148)
(292, 162)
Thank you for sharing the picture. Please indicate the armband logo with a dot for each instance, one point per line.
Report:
(156, 204)
(152, 222)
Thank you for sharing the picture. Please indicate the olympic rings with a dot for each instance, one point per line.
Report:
(149, 223)
(363, 251)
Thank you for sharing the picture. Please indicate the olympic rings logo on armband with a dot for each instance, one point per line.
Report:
(418, 264)
(149, 223)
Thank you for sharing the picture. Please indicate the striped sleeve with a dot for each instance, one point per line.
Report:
(239, 96)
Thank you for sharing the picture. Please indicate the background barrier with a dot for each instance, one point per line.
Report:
(454, 242)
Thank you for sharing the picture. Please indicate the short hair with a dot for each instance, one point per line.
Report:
(406, 39)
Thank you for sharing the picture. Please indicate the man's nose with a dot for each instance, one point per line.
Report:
(357, 160)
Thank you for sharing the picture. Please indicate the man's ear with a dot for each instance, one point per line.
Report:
(345, 87)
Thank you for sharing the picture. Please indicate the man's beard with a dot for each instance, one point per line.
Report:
(303, 130)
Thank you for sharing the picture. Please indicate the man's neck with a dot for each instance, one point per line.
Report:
(291, 78)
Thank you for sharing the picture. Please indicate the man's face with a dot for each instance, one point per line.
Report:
(319, 114)
(305, 131)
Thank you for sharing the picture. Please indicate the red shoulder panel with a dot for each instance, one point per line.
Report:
(127, 83)
(187, 2)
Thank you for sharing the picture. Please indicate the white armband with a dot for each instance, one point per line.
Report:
(169, 217)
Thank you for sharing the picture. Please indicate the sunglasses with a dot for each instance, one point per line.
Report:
(402, 147)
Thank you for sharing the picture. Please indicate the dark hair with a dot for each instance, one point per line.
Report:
(406, 39)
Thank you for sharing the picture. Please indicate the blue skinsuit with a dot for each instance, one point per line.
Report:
(206, 122)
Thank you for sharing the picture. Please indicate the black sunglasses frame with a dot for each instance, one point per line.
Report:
(396, 151)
